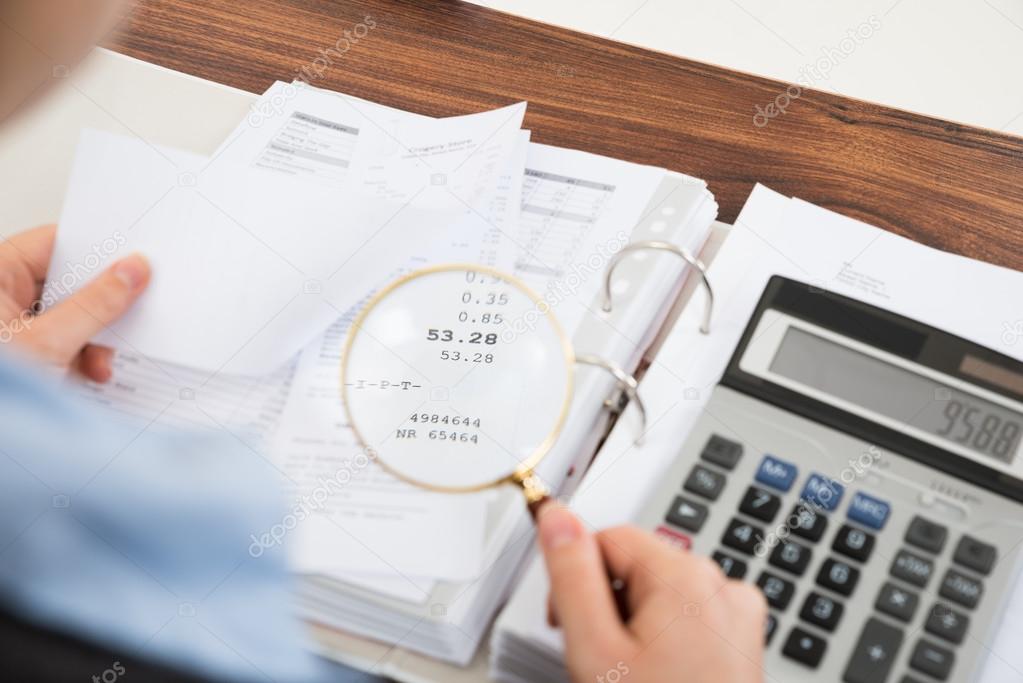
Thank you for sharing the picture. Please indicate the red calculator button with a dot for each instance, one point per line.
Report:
(672, 537)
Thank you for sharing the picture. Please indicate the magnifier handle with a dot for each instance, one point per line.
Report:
(535, 505)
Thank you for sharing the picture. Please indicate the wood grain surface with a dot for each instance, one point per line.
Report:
(944, 184)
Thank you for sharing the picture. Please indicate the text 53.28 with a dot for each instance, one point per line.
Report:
(476, 357)
(487, 338)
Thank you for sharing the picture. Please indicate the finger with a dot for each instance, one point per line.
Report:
(580, 589)
(744, 619)
(59, 334)
(32, 247)
(95, 363)
(650, 567)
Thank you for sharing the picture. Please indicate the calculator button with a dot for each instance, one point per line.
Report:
(897, 602)
(820, 610)
(874, 653)
(776, 473)
(804, 647)
(742, 536)
(932, 660)
(869, 511)
(790, 556)
(687, 514)
(777, 590)
(975, 555)
(838, 576)
(926, 535)
(732, 567)
(912, 568)
(945, 622)
(722, 452)
(674, 538)
(760, 504)
(909, 679)
(770, 626)
(705, 482)
(807, 523)
(853, 542)
(961, 588)
(822, 492)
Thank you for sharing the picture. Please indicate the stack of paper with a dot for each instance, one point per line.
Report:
(263, 251)
(772, 235)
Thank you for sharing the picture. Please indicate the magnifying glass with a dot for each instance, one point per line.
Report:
(458, 378)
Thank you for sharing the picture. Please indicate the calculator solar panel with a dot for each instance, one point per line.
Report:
(862, 470)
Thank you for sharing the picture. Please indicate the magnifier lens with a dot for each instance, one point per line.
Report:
(457, 377)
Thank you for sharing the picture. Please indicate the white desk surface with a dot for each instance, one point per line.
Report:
(953, 59)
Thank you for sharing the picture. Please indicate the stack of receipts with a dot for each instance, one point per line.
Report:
(263, 252)
(773, 235)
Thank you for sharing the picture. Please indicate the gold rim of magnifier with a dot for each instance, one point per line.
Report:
(525, 469)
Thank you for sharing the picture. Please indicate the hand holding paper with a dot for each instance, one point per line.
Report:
(61, 337)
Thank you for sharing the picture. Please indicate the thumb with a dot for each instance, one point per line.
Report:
(58, 335)
(580, 588)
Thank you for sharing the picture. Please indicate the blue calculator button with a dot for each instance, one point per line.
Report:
(822, 492)
(776, 473)
(868, 511)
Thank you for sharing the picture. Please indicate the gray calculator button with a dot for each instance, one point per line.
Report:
(975, 555)
(945, 622)
(777, 590)
(687, 514)
(722, 452)
(853, 542)
(732, 567)
(759, 504)
(932, 660)
(820, 610)
(838, 576)
(909, 679)
(912, 568)
(770, 626)
(804, 647)
(961, 588)
(897, 602)
(705, 482)
(791, 556)
(807, 523)
(926, 535)
(874, 654)
(742, 536)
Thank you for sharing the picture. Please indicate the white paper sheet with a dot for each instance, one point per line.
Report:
(580, 205)
(371, 522)
(339, 140)
(390, 528)
(577, 210)
(184, 398)
(249, 265)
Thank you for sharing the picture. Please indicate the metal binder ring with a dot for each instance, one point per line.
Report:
(674, 249)
(626, 382)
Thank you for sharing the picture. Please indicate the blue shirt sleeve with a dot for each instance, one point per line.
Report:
(138, 537)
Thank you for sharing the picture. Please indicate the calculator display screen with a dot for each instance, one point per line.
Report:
(943, 411)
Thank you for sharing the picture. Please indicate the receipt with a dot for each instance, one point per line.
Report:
(250, 265)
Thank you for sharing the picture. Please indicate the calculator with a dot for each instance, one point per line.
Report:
(864, 470)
